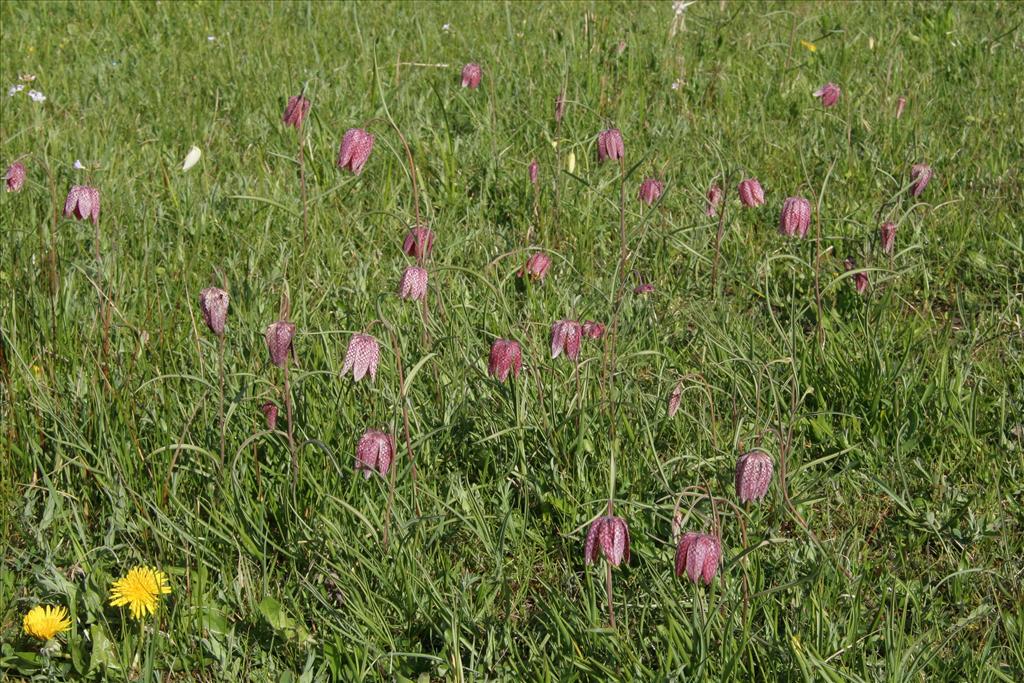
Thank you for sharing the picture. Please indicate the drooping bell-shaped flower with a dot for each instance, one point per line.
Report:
(650, 190)
(279, 337)
(753, 475)
(269, 410)
(536, 266)
(887, 236)
(698, 555)
(714, 198)
(14, 176)
(829, 94)
(643, 288)
(413, 285)
(361, 357)
(566, 336)
(608, 536)
(419, 242)
(295, 111)
(471, 74)
(920, 175)
(355, 149)
(560, 106)
(83, 203)
(674, 400)
(374, 453)
(860, 278)
(506, 357)
(213, 304)
(534, 172)
(610, 145)
(901, 104)
(795, 218)
(751, 193)
(593, 330)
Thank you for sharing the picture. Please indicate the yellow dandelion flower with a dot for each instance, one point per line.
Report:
(140, 589)
(45, 621)
(810, 46)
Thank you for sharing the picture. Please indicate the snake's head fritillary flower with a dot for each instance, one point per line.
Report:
(829, 94)
(610, 145)
(860, 279)
(362, 357)
(751, 193)
(374, 453)
(593, 330)
(471, 74)
(560, 106)
(698, 555)
(643, 288)
(534, 172)
(753, 475)
(608, 536)
(279, 337)
(674, 400)
(295, 111)
(213, 304)
(795, 218)
(14, 176)
(413, 285)
(714, 197)
(506, 356)
(901, 104)
(355, 149)
(419, 242)
(566, 336)
(650, 190)
(140, 589)
(887, 235)
(46, 621)
(920, 175)
(83, 203)
(536, 266)
(269, 410)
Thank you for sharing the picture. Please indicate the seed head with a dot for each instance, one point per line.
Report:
(887, 235)
(829, 94)
(279, 337)
(355, 149)
(83, 202)
(608, 536)
(536, 266)
(471, 74)
(650, 190)
(505, 356)
(610, 145)
(534, 171)
(269, 410)
(419, 242)
(795, 218)
(566, 336)
(921, 175)
(860, 279)
(375, 452)
(698, 555)
(753, 475)
(413, 284)
(751, 193)
(15, 176)
(362, 357)
(714, 199)
(295, 111)
(592, 329)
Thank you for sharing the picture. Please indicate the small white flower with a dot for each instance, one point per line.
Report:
(680, 6)
(211, 38)
(15, 89)
(36, 96)
(78, 165)
(675, 85)
(192, 158)
(446, 28)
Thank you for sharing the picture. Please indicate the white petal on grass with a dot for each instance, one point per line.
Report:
(192, 158)
(15, 89)
(36, 96)
(78, 165)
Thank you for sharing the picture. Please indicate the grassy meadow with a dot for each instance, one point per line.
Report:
(889, 545)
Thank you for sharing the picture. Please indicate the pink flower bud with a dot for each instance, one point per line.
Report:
(566, 336)
(471, 74)
(560, 106)
(269, 410)
(295, 111)
(536, 266)
(829, 94)
(901, 104)
(921, 175)
(15, 176)
(505, 356)
(534, 171)
(279, 337)
(608, 536)
(213, 303)
(361, 357)
(375, 452)
(593, 329)
(650, 190)
(674, 399)
(714, 199)
(643, 288)
(795, 218)
(698, 555)
(753, 475)
(610, 145)
(419, 242)
(887, 235)
(860, 279)
(355, 149)
(751, 193)
(413, 284)
(83, 202)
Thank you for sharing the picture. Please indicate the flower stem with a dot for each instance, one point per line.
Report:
(220, 411)
(291, 437)
(718, 239)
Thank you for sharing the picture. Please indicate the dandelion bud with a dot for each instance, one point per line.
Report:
(269, 410)
(355, 149)
(860, 279)
(714, 199)
(608, 536)
(560, 106)
(362, 356)
(795, 218)
(375, 451)
(279, 337)
(593, 329)
(566, 336)
(610, 145)
(295, 111)
(753, 475)
(829, 94)
(674, 399)
(534, 171)
(213, 303)
(751, 193)
(536, 266)
(650, 190)
(15, 176)
(471, 74)
(901, 104)
(413, 284)
(505, 356)
(698, 555)
(419, 242)
(921, 175)
(83, 202)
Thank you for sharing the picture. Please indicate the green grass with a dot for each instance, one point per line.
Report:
(907, 435)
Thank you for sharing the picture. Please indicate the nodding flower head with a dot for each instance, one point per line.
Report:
(650, 190)
(279, 337)
(829, 94)
(566, 336)
(419, 242)
(608, 536)
(714, 199)
(295, 111)
(375, 453)
(361, 357)
(887, 235)
(921, 175)
(471, 74)
(753, 475)
(901, 104)
(355, 149)
(269, 410)
(536, 266)
(698, 555)
(83, 202)
(592, 329)
(674, 400)
(643, 288)
(534, 171)
(860, 279)
(506, 356)
(15, 176)
(213, 304)
(751, 193)
(610, 145)
(560, 106)
(413, 285)
(795, 218)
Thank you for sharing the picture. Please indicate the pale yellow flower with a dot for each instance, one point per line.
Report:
(140, 589)
(45, 621)
(810, 46)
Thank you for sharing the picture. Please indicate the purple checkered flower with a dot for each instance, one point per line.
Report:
(213, 304)
(753, 475)
(355, 149)
(374, 453)
(83, 202)
(279, 337)
(608, 536)
(361, 357)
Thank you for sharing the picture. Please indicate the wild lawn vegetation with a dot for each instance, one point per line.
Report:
(889, 545)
